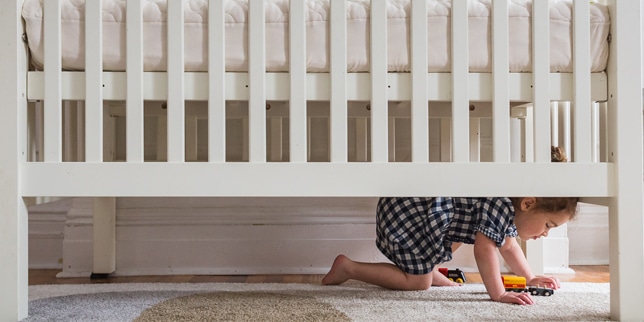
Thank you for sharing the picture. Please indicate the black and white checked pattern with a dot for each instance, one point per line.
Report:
(417, 233)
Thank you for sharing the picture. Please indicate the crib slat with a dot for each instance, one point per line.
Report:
(379, 127)
(94, 81)
(581, 68)
(216, 81)
(500, 72)
(53, 96)
(338, 53)
(419, 96)
(541, 73)
(297, 102)
(176, 102)
(460, 88)
(134, 101)
(257, 82)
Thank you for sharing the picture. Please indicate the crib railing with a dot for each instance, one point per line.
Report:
(298, 87)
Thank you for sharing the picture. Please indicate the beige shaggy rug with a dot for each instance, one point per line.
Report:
(304, 302)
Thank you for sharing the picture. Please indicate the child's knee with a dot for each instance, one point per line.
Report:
(419, 282)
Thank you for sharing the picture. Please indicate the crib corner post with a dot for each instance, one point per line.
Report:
(626, 223)
(13, 133)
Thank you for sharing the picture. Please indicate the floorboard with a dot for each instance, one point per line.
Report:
(592, 274)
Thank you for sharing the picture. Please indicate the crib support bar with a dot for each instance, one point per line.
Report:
(297, 102)
(216, 82)
(134, 101)
(94, 81)
(581, 104)
(326, 179)
(460, 86)
(257, 82)
(541, 68)
(419, 96)
(338, 85)
(176, 101)
(52, 85)
(501, 99)
(379, 105)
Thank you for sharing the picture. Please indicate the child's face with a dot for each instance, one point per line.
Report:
(534, 224)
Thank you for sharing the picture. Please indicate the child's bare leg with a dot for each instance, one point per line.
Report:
(382, 274)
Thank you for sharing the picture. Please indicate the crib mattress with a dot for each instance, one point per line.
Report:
(317, 35)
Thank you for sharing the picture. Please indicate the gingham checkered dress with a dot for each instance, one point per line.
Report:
(417, 233)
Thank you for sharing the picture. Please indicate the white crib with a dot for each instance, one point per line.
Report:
(611, 175)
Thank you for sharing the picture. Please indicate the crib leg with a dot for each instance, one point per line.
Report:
(104, 237)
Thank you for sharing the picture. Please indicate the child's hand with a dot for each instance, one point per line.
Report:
(545, 281)
(521, 298)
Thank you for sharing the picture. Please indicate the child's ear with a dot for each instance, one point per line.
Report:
(527, 203)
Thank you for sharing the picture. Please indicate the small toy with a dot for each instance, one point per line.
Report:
(518, 284)
(454, 275)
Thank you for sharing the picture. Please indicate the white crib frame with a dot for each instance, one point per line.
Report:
(616, 183)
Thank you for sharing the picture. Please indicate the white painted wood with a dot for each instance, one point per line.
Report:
(134, 80)
(419, 93)
(460, 86)
(536, 256)
(52, 82)
(595, 133)
(322, 179)
(104, 235)
(13, 231)
(501, 96)
(582, 108)
(541, 68)
(297, 103)
(216, 82)
(338, 82)
(257, 82)
(379, 106)
(317, 86)
(94, 80)
(176, 99)
(625, 153)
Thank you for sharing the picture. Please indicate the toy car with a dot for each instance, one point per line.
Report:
(455, 275)
(518, 284)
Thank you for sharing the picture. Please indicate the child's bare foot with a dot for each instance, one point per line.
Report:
(337, 274)
(439, 279)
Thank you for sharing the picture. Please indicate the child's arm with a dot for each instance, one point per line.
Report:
(513, 255)
(485, 253)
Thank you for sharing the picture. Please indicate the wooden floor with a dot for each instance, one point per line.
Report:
(593, 274)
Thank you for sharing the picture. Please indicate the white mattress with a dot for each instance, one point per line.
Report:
(317, 44)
